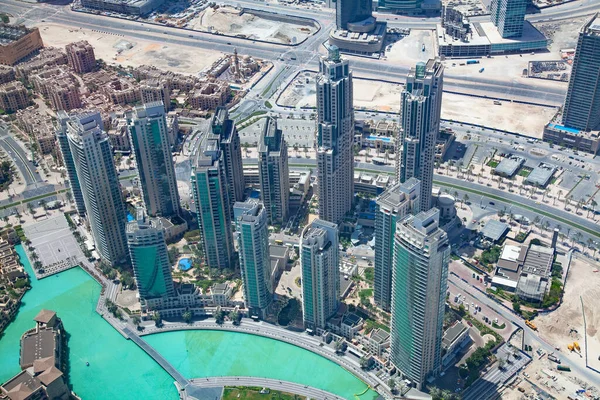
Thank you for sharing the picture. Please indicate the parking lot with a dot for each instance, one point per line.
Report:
(53, 240)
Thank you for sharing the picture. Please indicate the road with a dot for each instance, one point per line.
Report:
(530, 335)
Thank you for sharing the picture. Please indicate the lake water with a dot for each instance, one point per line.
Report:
(119, 369)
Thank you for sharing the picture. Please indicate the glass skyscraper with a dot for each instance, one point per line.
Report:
(420, 124)
(150, 142)
(419, 285)
(89, 153)
(252, 237)
(508, 16)
(582, 104)
(335, 137)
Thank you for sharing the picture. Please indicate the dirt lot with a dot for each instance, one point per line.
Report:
(106, 46)
(582, 285)
(521, 118)
(227, 20)
(562, 34)
(409, 49)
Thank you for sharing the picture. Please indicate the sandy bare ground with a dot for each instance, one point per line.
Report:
(162, 55)
(582, 284)
(227, 20)
(515, 117)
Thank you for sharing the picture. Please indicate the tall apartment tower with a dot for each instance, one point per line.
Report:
(252, 237)
(150, 260)
(335, 137)
(319, 260)
(508, 16)
(229, 141)
(152, 90)
(211, 198)
(582, 104)
(150, 141)
(80, 56)
(91, 155)
(352, 11)
(274, 173)
(420, 125)
(419, 285)
(392, 206)
(65, 149)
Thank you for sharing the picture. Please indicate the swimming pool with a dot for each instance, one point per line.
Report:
(185, 264)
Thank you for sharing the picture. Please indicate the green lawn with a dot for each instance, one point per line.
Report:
(251, 393)
(492, 163)
(524, 172)
(369, 274)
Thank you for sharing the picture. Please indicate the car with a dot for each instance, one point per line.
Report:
(491, 203)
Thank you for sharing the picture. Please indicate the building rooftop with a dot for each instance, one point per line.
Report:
(21, 386)
(494, 230)
(278, 251)
(541, 174)
(539, 261)
(486, 33)
(219, 288)
(379, 335)
(351, 319)
(12, 33)
(45, 316)
(37, 345)
(512, 257)
(509, 165)
(453, 333)
(50, 375)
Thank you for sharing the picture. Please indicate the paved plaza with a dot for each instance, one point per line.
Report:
(53, 241)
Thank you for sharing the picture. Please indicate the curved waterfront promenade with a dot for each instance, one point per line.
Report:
(275, 384)
(301, 340)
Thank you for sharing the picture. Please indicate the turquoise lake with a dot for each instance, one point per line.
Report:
(121, 370)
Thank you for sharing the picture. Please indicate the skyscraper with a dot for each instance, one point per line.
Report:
(65, 150)
(150, 142)
(582, 104)
(335, 137)
(352, 11)
(252, 237)
(392, 206)
(91, 156)
(211, 197)
(229, 141)
(508, 16)
(319, 260)
(274, 173)
(419, 285)
(150, 260)
(420, 125)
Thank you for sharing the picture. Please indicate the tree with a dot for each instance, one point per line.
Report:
(577, 237)
(392, 385)
(364, 362)
(44, 204)
(593, 204)
(235, 317)
(127, 280)
(112, 274)
(69, 196)
(157, 318)
(465, 198)
(219, 316)
(517, 307)
(30, 208)
(501, 363)
(536, 220)
(339, 346)
(187, 316)
(136, 321)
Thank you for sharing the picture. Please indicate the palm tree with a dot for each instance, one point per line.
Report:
(536, 221)
(187, 316)
(465, 198)
(34, 256)
(577, 237)
(5, 218)
(69, 196)
(546, 225)
(593, 203)
(590, 243)
(30, 208)
(392, 385)
(578, 206)
(156, 317)
(136, 321)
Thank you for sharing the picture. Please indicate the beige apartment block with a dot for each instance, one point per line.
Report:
(13, 96)
(81, 56)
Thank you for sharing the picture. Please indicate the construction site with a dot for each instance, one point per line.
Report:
(252, 25)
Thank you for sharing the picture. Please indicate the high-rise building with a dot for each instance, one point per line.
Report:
(91, 156)
(419, 285)
(252, 237)
(211, 198)
(350, 11)
(229, 140)
(582, 104)
(508, 16)
(65, 149)
(335, 137)
(80, 56)
(152, 90)
(150, 261)
(420, 124)
(319, 260)
(273, 172)
(150, 141)
(393, 205)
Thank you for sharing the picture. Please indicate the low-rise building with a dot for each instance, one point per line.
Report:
(41, 362)
(152, 90)
(570, 137)
(7, 74)
(541, 175)
(80, 56)
(13, 96)
(534, 281)
(18, 42)
(508, 268)
(122, 91)
(377, 341)
(209, 96)
(47, 57)
(129, 7)
(64, 95)
(454, 340)
(39, 127)
(509, 166)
